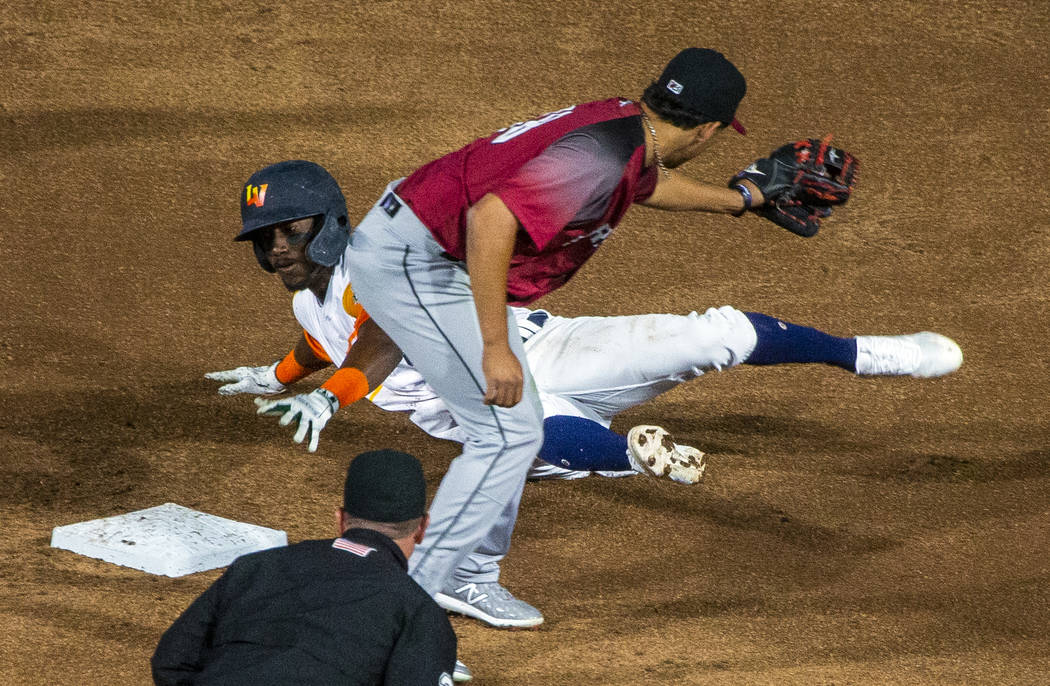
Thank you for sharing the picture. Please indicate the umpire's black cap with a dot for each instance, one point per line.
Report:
(705, 83)
(385, 486)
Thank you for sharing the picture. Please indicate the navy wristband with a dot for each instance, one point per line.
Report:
(746, 194)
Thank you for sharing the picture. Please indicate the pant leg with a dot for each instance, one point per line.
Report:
(424, 303)
(482, 565)
(611, 364)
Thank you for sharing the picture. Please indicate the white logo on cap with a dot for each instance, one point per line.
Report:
(674, 87)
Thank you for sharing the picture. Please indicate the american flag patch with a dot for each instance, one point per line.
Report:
(351, 547)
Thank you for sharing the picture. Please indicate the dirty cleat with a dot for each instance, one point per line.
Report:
(490, 603)
(651, 451)
(922, 355)
(461, 673)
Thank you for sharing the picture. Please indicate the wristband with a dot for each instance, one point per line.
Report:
(348, 384)
(288, 370)
(746, 194)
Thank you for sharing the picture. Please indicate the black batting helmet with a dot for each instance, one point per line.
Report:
(290, 190)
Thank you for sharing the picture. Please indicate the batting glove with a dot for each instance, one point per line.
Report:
(256, 380)
(313, 410)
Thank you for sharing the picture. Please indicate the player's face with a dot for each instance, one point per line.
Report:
(702, 137)
(285, 246)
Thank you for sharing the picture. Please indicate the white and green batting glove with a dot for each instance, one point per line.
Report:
(313, 410)
(255, 380)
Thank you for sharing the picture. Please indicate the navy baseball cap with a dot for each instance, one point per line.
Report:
(705, 83)
(385, 486)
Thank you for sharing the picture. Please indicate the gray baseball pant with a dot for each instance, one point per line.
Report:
(423, 300)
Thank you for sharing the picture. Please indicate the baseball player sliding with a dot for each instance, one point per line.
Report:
(586, 369)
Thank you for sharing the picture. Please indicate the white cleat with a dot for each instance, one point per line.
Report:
(922, 355)
(652, 452)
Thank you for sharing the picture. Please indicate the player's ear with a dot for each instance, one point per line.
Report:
(423, 524)
(341, 522)
(706, 130)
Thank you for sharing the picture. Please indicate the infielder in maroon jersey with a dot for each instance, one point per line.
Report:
(505, 220)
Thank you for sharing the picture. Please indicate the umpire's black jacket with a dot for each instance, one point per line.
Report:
(317, 612)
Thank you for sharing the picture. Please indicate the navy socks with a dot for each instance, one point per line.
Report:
(581, 444)
(780, 342)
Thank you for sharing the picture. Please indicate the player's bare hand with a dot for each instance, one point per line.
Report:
(503, 376)
(255, 380)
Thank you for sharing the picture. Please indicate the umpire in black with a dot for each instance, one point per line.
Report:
(340, 611)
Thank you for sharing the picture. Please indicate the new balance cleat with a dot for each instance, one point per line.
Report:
(490, 603)
(921, 355)
(461, 673)
(652, 452)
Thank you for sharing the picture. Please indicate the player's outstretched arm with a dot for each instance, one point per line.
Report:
(676, 191)
(370, 359)
(270, 379)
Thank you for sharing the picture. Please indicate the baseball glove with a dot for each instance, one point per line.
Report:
(801, 181)
(797, 218)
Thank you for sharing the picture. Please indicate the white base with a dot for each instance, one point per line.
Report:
(168, 539)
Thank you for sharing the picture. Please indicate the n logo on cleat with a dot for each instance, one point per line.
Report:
(473, 596)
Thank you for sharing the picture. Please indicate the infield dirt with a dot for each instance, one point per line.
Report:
(849, 531)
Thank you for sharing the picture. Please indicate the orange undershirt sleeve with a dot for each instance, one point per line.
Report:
(316, 348)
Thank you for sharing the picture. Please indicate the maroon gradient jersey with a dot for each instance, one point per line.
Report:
(568, 176)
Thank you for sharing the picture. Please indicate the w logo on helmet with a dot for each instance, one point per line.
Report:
(255, 195)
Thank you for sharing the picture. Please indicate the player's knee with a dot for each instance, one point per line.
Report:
(529, 443)
(727, 333)
(512, 440)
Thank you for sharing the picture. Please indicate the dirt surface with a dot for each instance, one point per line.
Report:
(851, 531)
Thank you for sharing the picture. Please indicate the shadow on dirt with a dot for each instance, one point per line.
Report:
(90, 448)
(85, 126)
(886, 453)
